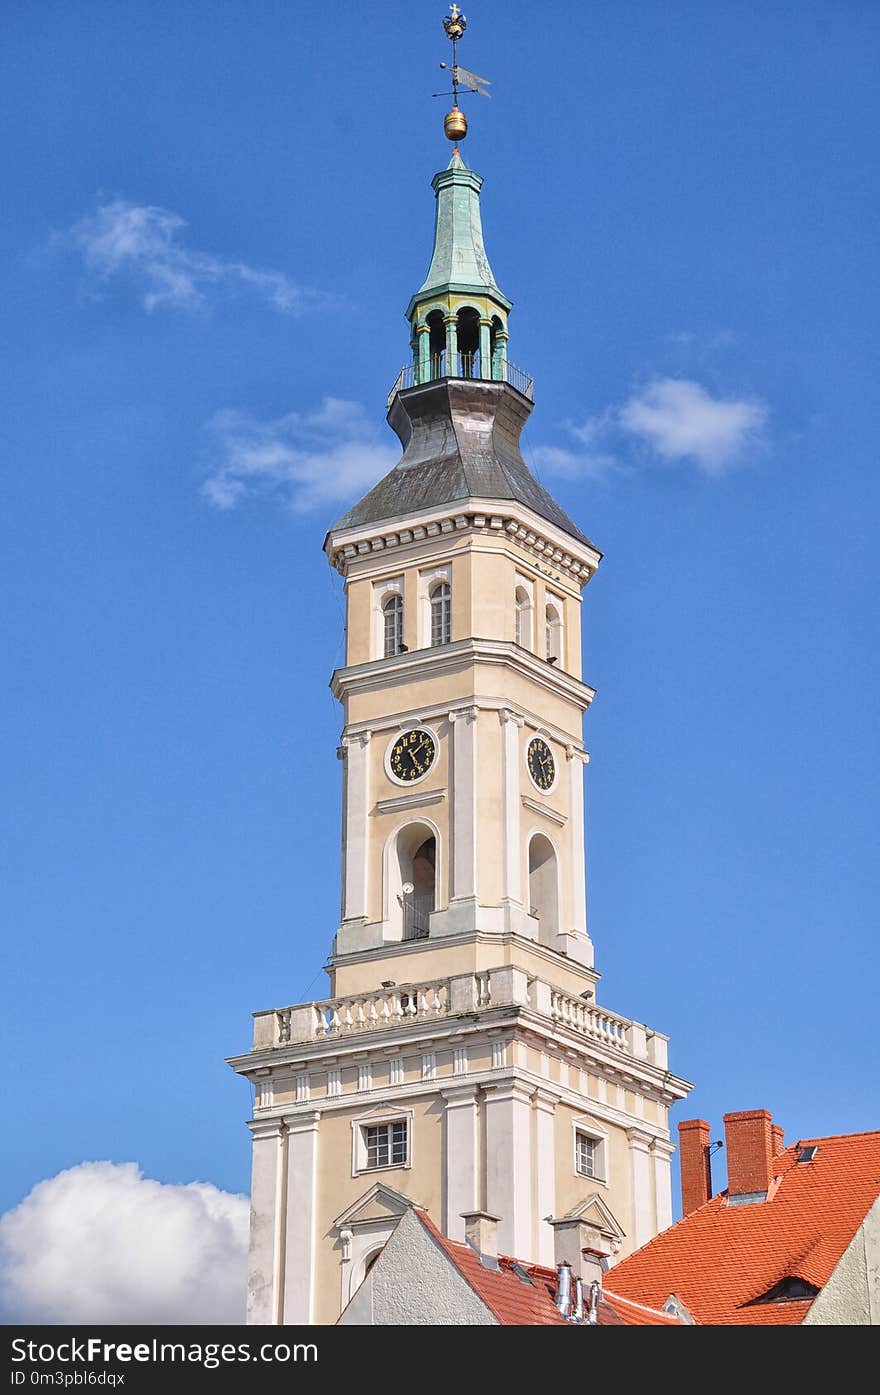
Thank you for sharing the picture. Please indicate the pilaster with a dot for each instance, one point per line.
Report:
(461, 1157)
(508, 1165)
(302, 1173)
(662, 1152)
(266, 1252)
(511, 724)
(356, 799)
(545, 1173)
(463, 722)
(641, 1173)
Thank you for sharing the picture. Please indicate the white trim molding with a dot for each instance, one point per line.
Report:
(388, 586)
(427, 579)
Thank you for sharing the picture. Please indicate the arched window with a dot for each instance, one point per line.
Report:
(392, 614)
(468, 334)
(544, 888)
(553, 634)
(436, 343)
(441, 613)
(523, 618)
(413, 873)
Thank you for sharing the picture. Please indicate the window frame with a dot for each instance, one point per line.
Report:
(383, 590)
(524, 585)
(428, 580)
(443, 603)
(554, 629)
(381, 1119)
(392, 605)
(585, 1128)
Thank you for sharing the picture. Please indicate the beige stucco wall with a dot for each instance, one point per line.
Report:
(484, 573)
(424, 961)
(615, 1188)
(337, 1188)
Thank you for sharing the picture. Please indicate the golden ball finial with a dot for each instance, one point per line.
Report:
(455, 125)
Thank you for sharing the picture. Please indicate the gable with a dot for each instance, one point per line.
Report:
(593, 1211)
(379, 1203)
(414, 1283)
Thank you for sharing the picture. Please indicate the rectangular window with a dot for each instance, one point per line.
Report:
(385, 1144)
(585, 1155)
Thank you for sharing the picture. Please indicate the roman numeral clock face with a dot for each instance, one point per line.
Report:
(412, 755)
(541, 764)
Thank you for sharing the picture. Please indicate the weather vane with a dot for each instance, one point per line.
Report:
(455, 121)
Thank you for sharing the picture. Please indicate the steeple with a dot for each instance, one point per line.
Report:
(459, 264)
(460, 405)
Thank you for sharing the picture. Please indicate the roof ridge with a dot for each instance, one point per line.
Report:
(632, 1303)
(831, 1138)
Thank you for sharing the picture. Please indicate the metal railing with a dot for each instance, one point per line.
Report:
(462, 365)
(416, 910)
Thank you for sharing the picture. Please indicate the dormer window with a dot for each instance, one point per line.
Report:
(392, 614)
(441, 613)
(791, 1289)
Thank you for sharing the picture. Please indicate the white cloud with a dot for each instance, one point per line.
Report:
(673, 419)
(679, 420)
(143, 245)
(102, 1243)
(302, 459)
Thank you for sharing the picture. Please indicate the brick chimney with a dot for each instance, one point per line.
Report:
(778, 1139)
(696, 1173)
(750, 1146)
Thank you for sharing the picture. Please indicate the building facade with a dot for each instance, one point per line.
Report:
(461, 1061)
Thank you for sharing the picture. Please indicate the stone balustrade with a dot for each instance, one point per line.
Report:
(462, 994)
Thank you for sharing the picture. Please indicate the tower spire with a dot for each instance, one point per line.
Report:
(455, 121)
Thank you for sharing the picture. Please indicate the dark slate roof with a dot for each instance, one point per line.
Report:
(461, 441)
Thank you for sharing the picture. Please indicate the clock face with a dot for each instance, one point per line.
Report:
(412, 755)
(542, 766)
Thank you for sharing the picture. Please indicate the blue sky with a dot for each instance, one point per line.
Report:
(215, 216)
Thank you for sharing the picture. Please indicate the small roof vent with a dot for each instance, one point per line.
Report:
(807, 1154)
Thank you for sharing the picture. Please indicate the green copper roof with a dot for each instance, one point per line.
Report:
(459, 261)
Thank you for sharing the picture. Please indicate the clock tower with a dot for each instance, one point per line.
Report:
(461, 1060)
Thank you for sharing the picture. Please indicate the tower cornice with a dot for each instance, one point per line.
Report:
(407, 533)
(463, 654)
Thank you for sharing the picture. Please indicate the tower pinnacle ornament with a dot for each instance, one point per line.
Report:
(455, 122)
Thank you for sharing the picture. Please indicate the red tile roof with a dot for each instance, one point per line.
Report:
(720, 1258)
(516, 1303)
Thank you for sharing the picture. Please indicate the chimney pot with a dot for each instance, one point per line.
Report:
(750, 1145)
(696, 1168)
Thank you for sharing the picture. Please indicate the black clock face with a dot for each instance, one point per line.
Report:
(542, 766)
(412, 755)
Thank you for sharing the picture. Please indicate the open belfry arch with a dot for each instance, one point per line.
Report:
(461, 1061)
